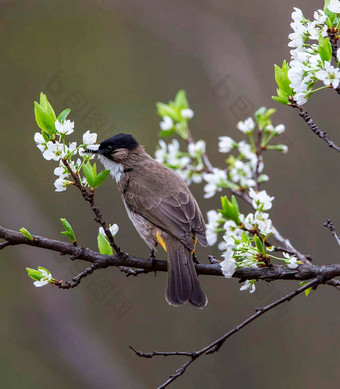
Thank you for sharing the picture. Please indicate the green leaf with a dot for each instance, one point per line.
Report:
(63, 115)
(280, 100)
(104, 245)
(68, 230)
(325, 49)
(307, 291)
(88, 173)
(281, 78)
(259, 244)
(43, 120)
(166, 110)
(34, 274)
(181, 100)
(26, 233)
(47, 107)
(163, 133)
(229, 209)
(101, 178)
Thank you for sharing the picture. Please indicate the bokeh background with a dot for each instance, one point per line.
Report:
(110, 61)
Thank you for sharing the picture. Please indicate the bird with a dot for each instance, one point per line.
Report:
(163, 211)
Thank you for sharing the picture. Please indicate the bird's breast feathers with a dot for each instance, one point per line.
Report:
(116, 169)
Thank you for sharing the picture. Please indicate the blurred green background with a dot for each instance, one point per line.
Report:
(110, 61)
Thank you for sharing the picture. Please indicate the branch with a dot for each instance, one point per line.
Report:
(331, 228)
(333, 38)
(270, 273)
(321, 134)
(89, 197)
(76, 280)
(217, 344)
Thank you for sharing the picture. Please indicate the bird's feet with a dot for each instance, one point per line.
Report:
(194, 258)
(153, 259)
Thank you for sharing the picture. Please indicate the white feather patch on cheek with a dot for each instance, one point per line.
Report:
(117, 169)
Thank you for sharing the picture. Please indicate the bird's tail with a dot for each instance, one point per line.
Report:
(183, 284)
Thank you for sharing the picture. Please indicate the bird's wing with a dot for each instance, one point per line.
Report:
(162, 197)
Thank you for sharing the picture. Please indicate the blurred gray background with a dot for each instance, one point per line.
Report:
(110, 61)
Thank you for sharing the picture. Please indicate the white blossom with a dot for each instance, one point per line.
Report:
(167, 124)
(197, 148)
(213, 223)
(280, 129)
(89, 138)
(334, 6)
(160, 154)
(228, 265)
(248, 285)
(40, 141)
(47, 276)
(297, 15)
(291, 261)
(61, 184)
(113, 229)
(187, 113)
(320, 16)
(329, 75)
(247, 127)
(260, 200)
(214, 180)
(65, 128)
(225, 144)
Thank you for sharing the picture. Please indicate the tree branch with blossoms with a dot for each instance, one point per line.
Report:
(314, 64)
(252, 249)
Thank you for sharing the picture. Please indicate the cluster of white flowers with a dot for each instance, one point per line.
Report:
(167, 123)
(238, 246)
(57, 150)
(188, 165)
(307, 65)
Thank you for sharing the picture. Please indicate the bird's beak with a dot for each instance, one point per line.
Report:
(93, 151)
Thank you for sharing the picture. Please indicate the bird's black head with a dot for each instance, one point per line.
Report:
(118, 142)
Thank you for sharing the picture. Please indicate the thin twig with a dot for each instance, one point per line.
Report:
(335, 283)
(217, 344)
(76, 280)
(333, 38)
(331, 228)
(321, 134)
(133, 272)
(3, 245)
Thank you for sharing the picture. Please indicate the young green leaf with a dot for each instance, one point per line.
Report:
(307, 291)
(259, 244)
(36, 275)
(325, 49)
(68, 230)
(63, 115)
(181, 100)
(166, 110)
(47, 107)
(101, 178)
(26, 233)
(43, 120)
(104, 245)
(88, 173)
(229, 209)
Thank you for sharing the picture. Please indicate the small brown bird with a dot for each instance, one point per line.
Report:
(162, 209)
